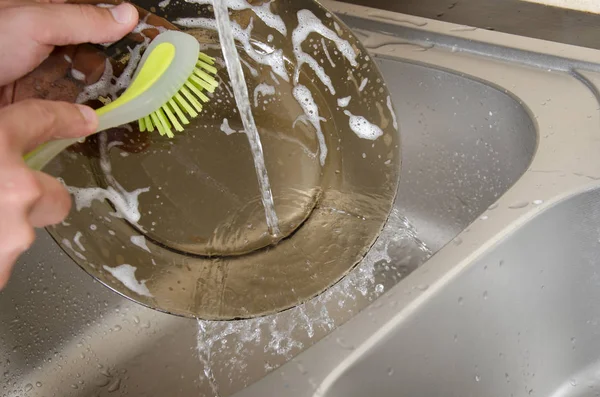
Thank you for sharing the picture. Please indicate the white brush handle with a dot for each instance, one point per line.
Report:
(45, 153)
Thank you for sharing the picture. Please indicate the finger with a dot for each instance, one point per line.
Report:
(63, 24)
(54, 204)
(19, 191)
(26, 124)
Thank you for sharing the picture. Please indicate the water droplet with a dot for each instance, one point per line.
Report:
(493, 207)
(458, 241)
(301, 368)
(38, 384)
(484, 218)
(538, 202)
(343, 344)
(422, 287)
(74, 386)
(117, 328)
(390, 371)
(379, 288)
(573, 382)
(460, 300)
(455, 337)
(485, 295)
(518, 205)
(28, 387)
(477, 378)
(102, 381)
(114, 386)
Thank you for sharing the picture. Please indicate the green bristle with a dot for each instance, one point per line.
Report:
(187, 100)
(142, 125)
(172, 118)
(157, 123)
(178, 111)
(186, 106)
(188, 95)
(148, 122)
(202, 84)
(197, 90)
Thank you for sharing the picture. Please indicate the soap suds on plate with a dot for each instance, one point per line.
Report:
(140, 241)
(78, 254)
(272, 58)
(391, 109)
(308, 23)
(363, 128)
(264, 90)
(304, 97)
(77, 241)
(363, 84)
(343, 102)
(226, 128)
(126, 275)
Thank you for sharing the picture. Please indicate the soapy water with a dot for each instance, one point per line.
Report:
(396, 253)
(311, 111)
(308, 23)
(126, 203)
(126, 275)
(343, 102)
(243, 103)
(264, 90)
(283, 335)
(363, 128)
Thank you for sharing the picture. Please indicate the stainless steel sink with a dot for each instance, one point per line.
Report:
(480, 283)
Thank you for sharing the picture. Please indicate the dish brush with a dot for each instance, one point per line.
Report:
(167, 90)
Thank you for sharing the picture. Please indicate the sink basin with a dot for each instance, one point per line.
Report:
(481, 260)
(522, 319)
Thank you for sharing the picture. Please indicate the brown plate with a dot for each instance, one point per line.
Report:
(177, 224)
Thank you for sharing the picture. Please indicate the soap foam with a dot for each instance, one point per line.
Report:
(226, 128)
(304, 97)
(363, 84)
(68, 244)
(110, 86)
(343, 102)
(363, 128)
(391, 109)
(308, 23)
(126, 275)
(273, 59)
(126, 203)
(77, 241)
(327, 54)
(262, 89)
(140, 241)
(261, 11)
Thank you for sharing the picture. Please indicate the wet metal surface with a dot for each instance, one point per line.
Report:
(494, 130)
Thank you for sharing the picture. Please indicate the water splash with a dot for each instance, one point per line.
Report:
(395, 254)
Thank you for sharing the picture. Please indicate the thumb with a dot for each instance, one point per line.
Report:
(26, 124)
(62, 24)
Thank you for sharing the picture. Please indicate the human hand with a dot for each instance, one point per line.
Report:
(29, 30)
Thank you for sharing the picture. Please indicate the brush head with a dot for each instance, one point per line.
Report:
(168, 88)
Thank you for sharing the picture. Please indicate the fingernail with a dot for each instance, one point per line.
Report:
(122, 13)
(88, 114)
